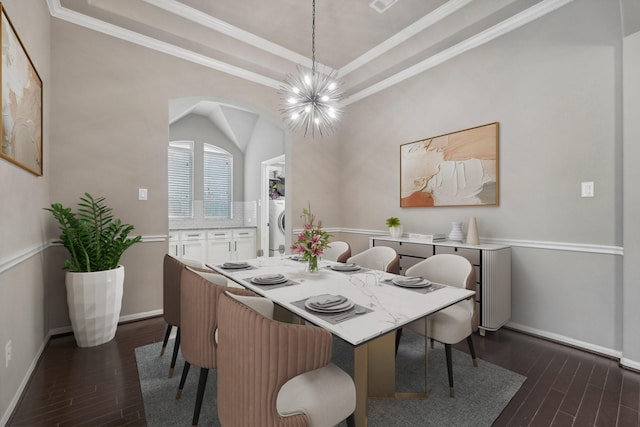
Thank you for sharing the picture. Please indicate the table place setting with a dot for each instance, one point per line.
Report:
(272, 281)
(414, 283)
(234, 265)
(332, 308)
(346, 268)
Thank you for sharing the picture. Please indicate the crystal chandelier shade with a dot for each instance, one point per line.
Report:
(310, 99)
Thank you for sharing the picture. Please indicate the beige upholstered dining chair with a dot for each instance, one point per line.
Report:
(276, 374)
(199, 296)
(452, 324)
(378, 258)
(339, 251)
(172, 270)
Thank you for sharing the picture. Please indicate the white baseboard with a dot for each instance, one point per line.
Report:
(14, 402)
(631, 364)
(605, 351)
(139, 316)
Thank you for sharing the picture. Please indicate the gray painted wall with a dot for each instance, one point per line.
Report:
(631, 288)
(23, 286)
(555, 87)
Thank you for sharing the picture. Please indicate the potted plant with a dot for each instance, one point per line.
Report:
(94, 279)
(395, 228)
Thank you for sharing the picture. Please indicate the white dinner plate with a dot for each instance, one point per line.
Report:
(345, 267)
(411, 282)
(269, 279)
(328, 303)
(235, 265)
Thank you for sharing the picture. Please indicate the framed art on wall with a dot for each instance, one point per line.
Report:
(21, 130)
(455, 169)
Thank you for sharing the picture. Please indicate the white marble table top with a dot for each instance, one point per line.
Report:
(392, 306)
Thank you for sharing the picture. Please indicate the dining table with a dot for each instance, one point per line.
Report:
(364, 307)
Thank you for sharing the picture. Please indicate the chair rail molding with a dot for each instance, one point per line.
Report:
(23, 255)
(533, 244)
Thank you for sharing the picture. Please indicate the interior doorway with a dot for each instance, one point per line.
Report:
(273, 229)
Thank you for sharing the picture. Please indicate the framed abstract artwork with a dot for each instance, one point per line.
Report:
(21, 130)
(455, 169)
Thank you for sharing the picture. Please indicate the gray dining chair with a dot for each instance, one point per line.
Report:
(338, 251)
(381, 258)
(457, 322)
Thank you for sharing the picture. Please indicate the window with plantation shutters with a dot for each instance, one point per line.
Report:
(181, 179)
(218, 182)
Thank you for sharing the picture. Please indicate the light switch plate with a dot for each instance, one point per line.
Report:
(142, 194)
(587, 189)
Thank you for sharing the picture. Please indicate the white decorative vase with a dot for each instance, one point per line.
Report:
(456, 234)
(396, 231)
(94, 301)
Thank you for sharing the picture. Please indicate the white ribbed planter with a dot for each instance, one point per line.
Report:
(94, 301)
(396, 232)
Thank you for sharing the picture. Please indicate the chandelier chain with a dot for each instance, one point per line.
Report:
(313, 39)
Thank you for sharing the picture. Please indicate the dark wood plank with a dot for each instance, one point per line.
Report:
(99, 386)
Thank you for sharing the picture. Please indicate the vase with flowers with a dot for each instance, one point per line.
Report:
(311, 241)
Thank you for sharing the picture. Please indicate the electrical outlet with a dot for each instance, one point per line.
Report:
(8, 349)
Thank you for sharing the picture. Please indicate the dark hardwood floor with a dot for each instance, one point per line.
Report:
(99, 386)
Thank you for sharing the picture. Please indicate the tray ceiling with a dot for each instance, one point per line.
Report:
(262, 41)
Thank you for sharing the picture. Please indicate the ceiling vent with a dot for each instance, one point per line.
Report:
(382, 5)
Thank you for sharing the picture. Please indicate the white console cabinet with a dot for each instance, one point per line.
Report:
(214, 245)
(493, 272)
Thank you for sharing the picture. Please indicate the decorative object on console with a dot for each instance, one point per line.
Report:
(456, 234)
(311, 241)
(311, 100)
(432, 169)
(427, 238)
(395, 227)
(21, 130)
(472, 232)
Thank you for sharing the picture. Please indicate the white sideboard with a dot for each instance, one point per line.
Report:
(493, 272)
(214, 245)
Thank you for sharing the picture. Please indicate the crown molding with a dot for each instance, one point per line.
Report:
(227, 29)
(506, 26)
(58, 11)
(417, 27)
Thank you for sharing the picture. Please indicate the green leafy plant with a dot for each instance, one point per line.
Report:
(393, 222)
(93, 238)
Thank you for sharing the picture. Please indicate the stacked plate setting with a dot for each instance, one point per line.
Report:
(327, 303)
(235, 265)
(345, 267)
(269, 279)
(411, 282)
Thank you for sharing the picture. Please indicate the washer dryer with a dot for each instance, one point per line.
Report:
(276, 226)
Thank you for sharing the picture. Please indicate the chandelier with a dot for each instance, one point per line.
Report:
(310, 98)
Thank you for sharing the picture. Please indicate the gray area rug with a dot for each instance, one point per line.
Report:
(481, 393)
